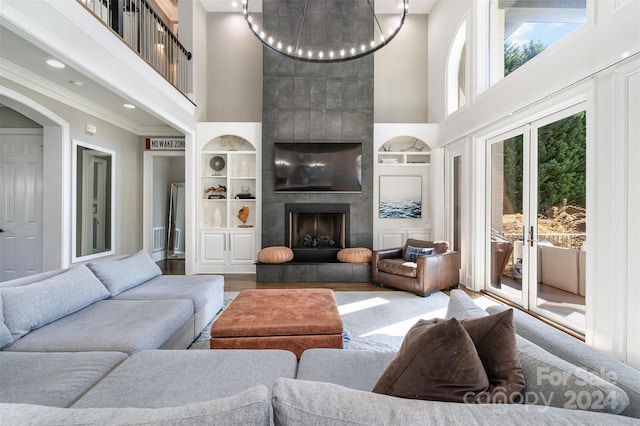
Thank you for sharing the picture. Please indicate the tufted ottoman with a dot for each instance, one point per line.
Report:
(290, 319)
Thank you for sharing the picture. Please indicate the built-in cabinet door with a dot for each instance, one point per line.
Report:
(243, 247)
(214, 247)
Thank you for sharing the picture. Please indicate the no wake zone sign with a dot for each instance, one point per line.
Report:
(166, 144)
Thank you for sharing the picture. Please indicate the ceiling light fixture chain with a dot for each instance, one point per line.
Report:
(304, 15)
(333, 54)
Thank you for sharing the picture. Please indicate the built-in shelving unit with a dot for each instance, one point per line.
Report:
(229, 212)
(402, 150)
(408, 158)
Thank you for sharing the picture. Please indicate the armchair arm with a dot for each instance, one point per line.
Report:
(391, 253)
(438, 272)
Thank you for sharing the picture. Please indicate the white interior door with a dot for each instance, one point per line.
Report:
(20, 204)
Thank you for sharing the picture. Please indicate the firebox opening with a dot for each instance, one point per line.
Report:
(316, 232)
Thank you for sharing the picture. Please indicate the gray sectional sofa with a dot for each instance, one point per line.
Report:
(144, 382)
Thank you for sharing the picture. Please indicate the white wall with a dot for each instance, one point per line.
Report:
(193, 23)
(593, 63)
(400, 74)
(234, 65)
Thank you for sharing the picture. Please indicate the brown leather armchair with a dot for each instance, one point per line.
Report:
(427, 274)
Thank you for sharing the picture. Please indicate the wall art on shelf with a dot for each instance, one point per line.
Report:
(400, 197)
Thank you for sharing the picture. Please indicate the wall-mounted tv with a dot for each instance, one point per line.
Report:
(318, 166)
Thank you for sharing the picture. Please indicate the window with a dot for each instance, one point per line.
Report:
(456, 71)
(521, 29)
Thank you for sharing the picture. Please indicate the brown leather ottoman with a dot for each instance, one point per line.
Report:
(291, 319)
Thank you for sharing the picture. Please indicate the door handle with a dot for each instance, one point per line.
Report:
(531, 240)
(1, 230)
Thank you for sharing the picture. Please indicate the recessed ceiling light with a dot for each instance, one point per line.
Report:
(76, 83)
(129, 106)
(55, 64)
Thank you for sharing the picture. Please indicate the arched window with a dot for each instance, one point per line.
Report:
(457, 87)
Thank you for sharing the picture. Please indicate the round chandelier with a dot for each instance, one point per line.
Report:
(318, 33)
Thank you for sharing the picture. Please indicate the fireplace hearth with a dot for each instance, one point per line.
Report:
(316, 232)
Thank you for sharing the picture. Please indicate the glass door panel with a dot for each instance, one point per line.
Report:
(507, 216)
(561, 212)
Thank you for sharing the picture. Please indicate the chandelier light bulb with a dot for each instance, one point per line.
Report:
(297, 50)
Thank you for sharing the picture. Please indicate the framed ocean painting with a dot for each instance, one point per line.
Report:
(401, 197)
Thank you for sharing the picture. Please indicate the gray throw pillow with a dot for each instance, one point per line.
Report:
(5, 335)
(123, 274)
(250, 407)
(31, 306)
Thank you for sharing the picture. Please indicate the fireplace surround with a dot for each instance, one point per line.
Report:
(315, 232)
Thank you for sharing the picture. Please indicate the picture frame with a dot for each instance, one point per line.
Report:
(400, 197)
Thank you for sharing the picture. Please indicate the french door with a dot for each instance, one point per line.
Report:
(536, 216)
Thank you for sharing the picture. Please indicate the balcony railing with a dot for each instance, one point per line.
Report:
(145, 32)
(575, 241)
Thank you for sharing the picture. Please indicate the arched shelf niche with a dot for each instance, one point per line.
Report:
(404, 150)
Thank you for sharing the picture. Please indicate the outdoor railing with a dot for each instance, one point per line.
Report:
(575, 241)
(146, 33)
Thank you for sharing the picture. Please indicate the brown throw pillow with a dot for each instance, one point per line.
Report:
(437, 361)
(494, 337)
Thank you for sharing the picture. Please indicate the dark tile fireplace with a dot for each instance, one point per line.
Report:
(305, 103)
(316, 231)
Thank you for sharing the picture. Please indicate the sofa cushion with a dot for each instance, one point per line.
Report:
(541, 368)
(354, 369)
(300, 402)
(554, 382)
(118, 325)
(250, 408)
(461, 306)
(572, 350)
(122, 274)
(30, 279)
(437, 361)
(56, 379)
(153, 379)
(5, 335)
(206, 292)
(398, 266)
(494, 337)
(31, 306)
(412, 253)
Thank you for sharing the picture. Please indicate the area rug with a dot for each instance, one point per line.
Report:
(373, 320)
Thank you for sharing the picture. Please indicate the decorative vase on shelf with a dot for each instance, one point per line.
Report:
(217, 218)
(243, 169)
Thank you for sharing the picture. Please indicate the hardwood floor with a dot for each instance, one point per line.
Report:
(237, 282)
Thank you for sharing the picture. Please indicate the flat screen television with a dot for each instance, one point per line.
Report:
(318, 166)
